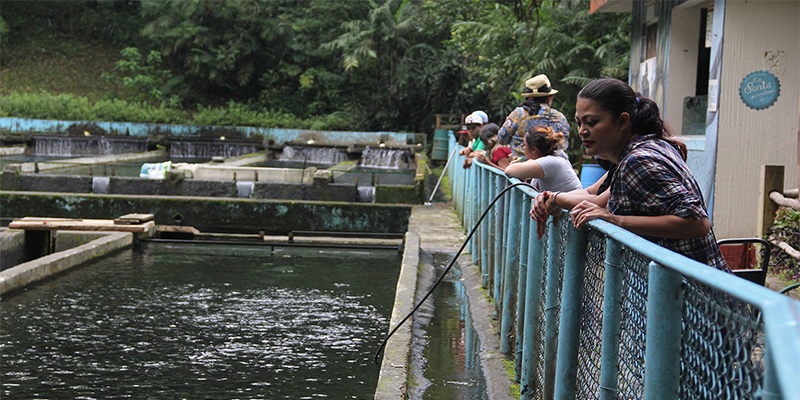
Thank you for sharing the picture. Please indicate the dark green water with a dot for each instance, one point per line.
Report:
(217, 322)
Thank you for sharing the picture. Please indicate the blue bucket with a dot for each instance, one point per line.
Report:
(591, 173)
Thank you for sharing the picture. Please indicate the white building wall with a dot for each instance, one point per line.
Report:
(749, 138)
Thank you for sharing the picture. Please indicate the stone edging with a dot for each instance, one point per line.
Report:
(24, 274)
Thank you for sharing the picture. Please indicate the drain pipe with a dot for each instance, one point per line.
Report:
(427, 203)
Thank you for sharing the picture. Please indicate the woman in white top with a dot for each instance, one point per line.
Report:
(548, 171)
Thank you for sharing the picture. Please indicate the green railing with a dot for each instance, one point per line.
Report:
(591, 313)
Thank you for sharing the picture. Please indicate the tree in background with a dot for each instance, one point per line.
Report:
(379, 64)
(510, 43)
(248, 50)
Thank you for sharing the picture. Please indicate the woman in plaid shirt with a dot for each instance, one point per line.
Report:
(652, 192)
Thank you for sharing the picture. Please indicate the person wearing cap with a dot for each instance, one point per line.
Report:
(535, 110)
(474, 123)
(483, 115)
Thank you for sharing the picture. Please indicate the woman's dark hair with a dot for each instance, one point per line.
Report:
(488, 135)
(617, 97)
(533, 104)
(544, 138)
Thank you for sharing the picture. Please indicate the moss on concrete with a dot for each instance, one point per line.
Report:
(509, 367)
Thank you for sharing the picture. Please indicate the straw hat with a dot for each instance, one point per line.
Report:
(538, 86)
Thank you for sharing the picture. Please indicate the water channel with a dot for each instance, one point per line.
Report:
(444, 349)
(202, 322)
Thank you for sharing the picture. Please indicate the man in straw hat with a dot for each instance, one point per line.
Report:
(535, 110)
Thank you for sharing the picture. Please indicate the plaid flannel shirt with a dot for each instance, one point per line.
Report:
(652, 179)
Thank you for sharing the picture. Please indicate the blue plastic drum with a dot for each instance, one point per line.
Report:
(591, 173)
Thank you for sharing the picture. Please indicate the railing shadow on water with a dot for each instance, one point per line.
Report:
(591, 313)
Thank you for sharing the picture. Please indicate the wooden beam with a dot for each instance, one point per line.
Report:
(771, 181)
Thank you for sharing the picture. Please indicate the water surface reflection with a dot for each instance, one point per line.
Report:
(186, 321)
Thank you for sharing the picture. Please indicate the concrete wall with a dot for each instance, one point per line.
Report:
(749, 138)
(12, 248)
(27, 273)
(186, 187)
(210, 214)
(275, 136)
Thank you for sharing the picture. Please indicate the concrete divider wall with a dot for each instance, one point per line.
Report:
(46, 183)
(66, 240)
(25, 274)
(215, 214)
(12, 248)
(393, 379)
(185, 187)
(268, 135)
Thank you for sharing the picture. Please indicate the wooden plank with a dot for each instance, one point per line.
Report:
(43, 224)
(177, 232)
(134, 218)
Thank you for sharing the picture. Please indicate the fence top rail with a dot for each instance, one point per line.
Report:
(780, 313)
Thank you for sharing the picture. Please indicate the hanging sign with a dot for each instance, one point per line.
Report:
(759, 90)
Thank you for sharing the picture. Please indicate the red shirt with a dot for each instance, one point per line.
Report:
(500, 152)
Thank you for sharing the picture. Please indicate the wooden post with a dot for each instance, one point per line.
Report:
(771, 179)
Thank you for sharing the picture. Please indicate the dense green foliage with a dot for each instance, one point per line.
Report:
(363, 64)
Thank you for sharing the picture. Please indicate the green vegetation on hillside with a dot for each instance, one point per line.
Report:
(352, 64)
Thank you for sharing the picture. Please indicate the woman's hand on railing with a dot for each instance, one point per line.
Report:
(586, 211)
(481, 157)
(544, 206)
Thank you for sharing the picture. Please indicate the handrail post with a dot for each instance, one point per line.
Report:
(488, 280)
(461, 193)
(511, 266)
(469, 206)
(485, 242)
(570, 317)
(612, 315)
(551, 307)
(662, 364)
(522, 285)
(475, 200)
(498, 241)
(771, 388)
(533, 319)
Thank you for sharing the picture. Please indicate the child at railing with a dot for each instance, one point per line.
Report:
(652, 191)
(495, 154)
(547, 170)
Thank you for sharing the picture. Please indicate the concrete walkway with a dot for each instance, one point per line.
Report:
(439, 230)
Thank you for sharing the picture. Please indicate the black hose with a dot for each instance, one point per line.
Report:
(471, 233)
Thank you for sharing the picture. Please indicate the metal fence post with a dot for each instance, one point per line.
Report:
(498, 242)
(484, 230)
(533, 318)
(524, 245)
(512, 235)
(612, 315)
(662, 355)
(488, 280)
(469, 206)
(504, 242)
(771, 388)
(551, 307)
(570, 317)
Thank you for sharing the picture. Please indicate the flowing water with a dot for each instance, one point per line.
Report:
(325, 155)
(62, 145)
(202, 322)
(381, 157)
